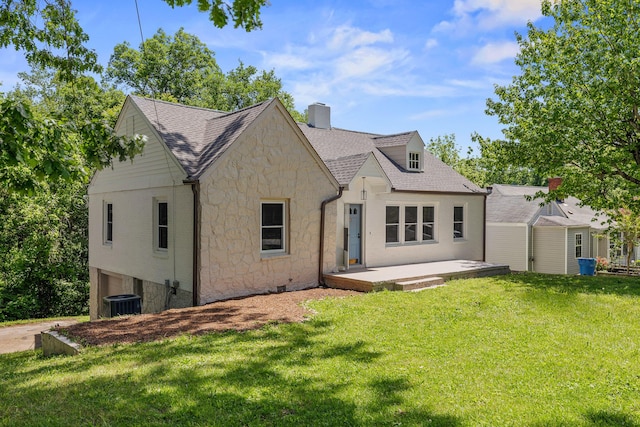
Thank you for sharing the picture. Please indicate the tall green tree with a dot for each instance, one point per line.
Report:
(573, 109)
(171, 67)
(181, 68)
(43, 267)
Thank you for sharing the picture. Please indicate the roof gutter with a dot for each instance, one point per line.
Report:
(322, 216)
(195, 188)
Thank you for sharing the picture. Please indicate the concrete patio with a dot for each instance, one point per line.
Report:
(411, 277)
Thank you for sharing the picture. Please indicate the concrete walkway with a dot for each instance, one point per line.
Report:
(23, 337)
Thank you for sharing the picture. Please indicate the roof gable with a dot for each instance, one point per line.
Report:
(196, 136)
(332, 144)
(509, 204)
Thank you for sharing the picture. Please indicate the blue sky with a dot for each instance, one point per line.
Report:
(382, 66)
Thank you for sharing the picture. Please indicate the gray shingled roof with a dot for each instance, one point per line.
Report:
(196, 136)
(345, 168)
(335, 143)
(508, 204)
(393, 140)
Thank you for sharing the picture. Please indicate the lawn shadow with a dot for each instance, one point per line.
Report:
(572, 284)
(272, 376)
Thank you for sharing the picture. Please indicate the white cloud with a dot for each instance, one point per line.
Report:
(283, 61)
(489, 14)
(349, 37)
(492, 53)
(366, 61)
(430, 44)
(495, 13)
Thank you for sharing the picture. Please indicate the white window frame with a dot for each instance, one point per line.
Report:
(433, 223)
(402, 224)
(283, 227)
(462, 222)
(578, 245)
(414, 161)
(157, 226)
(388, 224)
(107, 231)
(406, 224)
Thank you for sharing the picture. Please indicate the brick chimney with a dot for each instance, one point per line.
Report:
(319, 116)
(554, 183)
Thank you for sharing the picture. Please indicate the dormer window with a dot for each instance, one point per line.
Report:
(414, 161)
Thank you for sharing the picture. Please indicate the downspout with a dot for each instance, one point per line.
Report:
(322, 216)
(484, 229)
(195, 188)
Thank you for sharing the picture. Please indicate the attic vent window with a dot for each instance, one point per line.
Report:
(414, 161)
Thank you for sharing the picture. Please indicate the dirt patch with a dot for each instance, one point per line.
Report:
(237, 314)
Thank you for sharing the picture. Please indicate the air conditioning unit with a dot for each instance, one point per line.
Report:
(119, 305)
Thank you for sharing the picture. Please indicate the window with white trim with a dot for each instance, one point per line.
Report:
(410, 223)
(414, 160)
(458, 222)
(428, 223)
(162, 225)
(108, 223)
(578, 245)
(273, 227)
(392, 224)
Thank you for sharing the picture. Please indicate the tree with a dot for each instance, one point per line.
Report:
(43, 267)
(182, 69)
(573, 110)
(627, 226)
(487, 169)
(176, 68)
(36, 148)
(244, 13)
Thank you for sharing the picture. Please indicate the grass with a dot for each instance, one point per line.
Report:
(520, 350)
(48, 319)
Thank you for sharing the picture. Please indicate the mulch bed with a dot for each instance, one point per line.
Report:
(237, 314)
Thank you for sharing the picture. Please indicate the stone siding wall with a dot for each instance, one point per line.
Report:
(270, 162)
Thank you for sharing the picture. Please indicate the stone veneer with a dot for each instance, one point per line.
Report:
(270, 161)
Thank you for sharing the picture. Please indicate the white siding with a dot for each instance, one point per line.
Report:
(572, 262)
(397, 154)
(549, 250)
(508, 244)
(154, 167)
(132, 251)
(132, 187)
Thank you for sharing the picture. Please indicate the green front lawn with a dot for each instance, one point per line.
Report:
(521, 350)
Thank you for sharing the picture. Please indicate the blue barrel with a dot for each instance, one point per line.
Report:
(587, 266)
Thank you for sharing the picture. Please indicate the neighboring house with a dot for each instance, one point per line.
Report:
(545, 239)
(221, 205)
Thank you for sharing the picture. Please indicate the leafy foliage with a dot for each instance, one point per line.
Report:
(487, 169)
(181, 68)
(243, 13)
(573, 110)
(48, 34)
(626, 224)
(43, 269)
